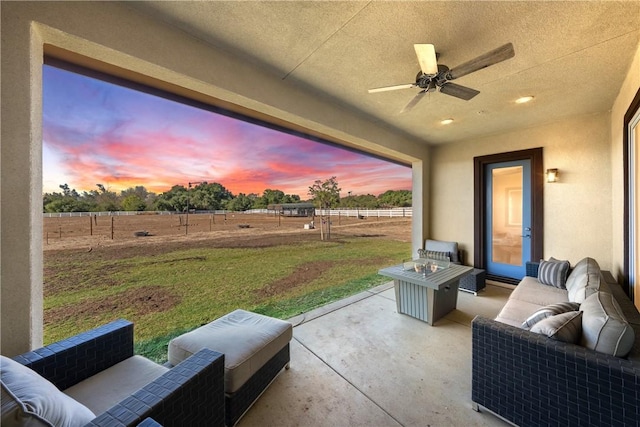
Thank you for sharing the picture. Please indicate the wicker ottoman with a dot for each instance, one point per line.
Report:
(255, 349)
(473, 282)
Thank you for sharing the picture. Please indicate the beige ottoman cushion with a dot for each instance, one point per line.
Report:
(247, 340)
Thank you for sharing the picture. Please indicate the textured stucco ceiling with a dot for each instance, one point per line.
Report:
(572, 56)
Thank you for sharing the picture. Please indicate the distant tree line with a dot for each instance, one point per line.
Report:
(203, 196)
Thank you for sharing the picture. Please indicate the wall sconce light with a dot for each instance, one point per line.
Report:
(552, 175)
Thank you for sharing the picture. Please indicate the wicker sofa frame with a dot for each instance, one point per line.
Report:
(531, 380)
(189, 394)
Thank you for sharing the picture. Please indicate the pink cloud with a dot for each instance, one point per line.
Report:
(118, 137)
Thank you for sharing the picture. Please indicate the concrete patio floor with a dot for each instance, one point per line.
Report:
(357, 362)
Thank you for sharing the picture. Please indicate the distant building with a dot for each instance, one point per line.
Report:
(293, 209)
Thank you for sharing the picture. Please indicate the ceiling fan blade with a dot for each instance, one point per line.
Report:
(388, 88)
(427, 58)
(458, 91)
(493, 57)
(413, 102)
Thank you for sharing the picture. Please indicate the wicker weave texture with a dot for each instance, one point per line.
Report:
(67, 362)
(532, 380)
(190, 394)
(149, 422)
(532, 268)
(240, 401)
(475, 281)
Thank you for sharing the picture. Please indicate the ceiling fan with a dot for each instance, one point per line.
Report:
(433, 76)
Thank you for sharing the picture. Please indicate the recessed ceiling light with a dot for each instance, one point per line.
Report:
(524, 99)
(446, 121)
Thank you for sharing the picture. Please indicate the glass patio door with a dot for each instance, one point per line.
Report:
(508, 218)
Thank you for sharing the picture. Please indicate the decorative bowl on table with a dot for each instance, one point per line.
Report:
(425, 266)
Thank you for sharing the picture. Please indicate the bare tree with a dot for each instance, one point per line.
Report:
(325, 194)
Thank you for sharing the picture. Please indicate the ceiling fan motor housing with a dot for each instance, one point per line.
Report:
(424, 81)
(430, 81)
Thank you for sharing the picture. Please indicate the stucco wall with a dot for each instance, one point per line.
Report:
(118, 35)
(577, 209)
(627, 92)
(21, 194)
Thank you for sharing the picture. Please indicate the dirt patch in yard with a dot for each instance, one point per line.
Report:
(303, 274)
(306, 273)
(141, 301)
(102, 248)
(76, 279)
(60, 275)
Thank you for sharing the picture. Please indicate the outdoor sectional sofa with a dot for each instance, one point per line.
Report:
(104, 384)
(554, 356)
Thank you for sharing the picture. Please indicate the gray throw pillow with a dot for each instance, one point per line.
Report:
(584, 280)
(548, 311)
(553, 272)
(565, 327)
(605, 328)
(443, 246)
(31, 400)
(437, 255)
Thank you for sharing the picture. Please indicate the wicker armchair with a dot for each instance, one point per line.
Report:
(189, 394)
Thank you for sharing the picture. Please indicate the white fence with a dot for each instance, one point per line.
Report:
(128, 213)
(352, 212)
(368, 213)
(78, 214)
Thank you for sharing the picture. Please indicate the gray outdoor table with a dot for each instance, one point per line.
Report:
(426, 298)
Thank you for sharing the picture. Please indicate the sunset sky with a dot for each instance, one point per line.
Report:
(99, 133)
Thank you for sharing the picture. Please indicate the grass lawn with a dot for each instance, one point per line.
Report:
(168, 293)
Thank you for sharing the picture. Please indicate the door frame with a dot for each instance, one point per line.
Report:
(480, 204)
(627, 209)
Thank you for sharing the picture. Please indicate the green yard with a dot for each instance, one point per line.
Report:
(170, 290)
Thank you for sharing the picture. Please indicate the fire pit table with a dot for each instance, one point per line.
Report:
(426, 289)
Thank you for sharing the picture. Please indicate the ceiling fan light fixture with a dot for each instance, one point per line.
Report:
(524, 99)
(446, 121)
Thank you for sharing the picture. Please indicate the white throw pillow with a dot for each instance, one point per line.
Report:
(31, 400)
